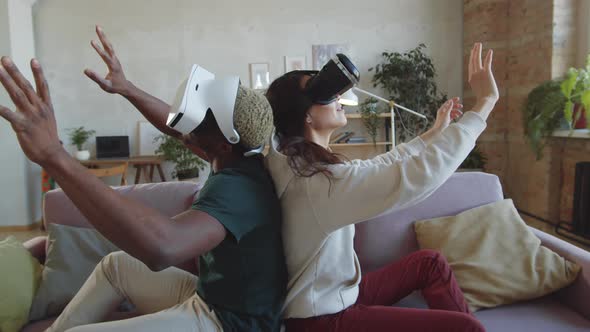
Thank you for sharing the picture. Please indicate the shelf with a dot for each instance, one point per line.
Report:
(358, 116)
(359, 144)
(577, 133)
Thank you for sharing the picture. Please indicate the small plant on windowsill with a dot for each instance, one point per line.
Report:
(576, 89)
(78, 137)
(187, 164)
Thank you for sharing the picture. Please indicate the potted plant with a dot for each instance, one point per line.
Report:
(408, 79)
(78, 137)
(369, 110)
(542, 114)
(475, 161)
(187, 164)
(576, 89)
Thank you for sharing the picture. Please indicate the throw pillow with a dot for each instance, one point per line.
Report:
(495, 257)
(20, 278)
(72, 255)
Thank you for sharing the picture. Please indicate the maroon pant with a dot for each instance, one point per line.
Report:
(425, 270)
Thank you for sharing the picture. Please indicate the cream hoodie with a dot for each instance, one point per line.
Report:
(319, 216)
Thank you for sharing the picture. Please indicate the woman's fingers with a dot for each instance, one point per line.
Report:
(470, 64)
(478, 56)
(488, 60)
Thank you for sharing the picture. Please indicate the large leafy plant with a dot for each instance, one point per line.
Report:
(187, 164)
(475, 160)
(408, 79)
(576, 89)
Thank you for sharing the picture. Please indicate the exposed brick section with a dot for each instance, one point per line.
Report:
(533, 41)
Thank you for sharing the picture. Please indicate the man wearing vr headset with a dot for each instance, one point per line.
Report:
(233, 226)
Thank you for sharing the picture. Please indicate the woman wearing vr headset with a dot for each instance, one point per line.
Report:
(233, 228)
(323, 196)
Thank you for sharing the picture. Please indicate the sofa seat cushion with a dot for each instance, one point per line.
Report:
(544, 314)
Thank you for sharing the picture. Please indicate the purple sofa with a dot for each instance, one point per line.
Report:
(387, 238)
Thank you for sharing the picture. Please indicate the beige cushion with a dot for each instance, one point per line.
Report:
(495, 257)
(72, 255)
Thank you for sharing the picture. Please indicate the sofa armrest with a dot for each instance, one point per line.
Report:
(36, 247)
(577, 294)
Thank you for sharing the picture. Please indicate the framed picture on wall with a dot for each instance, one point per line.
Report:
(295, 63)
(259, 75)
(147, 135)
(323, 53)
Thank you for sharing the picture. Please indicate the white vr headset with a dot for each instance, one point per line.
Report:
(198, 94)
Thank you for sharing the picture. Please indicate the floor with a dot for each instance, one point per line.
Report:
(23, 235)
(26, 235)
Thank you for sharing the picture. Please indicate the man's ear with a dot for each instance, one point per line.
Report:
(226, 147)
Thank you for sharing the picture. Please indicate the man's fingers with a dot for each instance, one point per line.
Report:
(105, 57)
(105, 41)
(103, 83)
(16, 94)
(40, 82)
(18, 78)
(9, 115)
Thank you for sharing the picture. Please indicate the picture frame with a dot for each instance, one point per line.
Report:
(147, 134)
(323, 53)
(295, 63)
(259, 75)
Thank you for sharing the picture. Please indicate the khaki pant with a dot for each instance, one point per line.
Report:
(167, 300)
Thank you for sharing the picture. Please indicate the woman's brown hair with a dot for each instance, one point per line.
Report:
(290, 106)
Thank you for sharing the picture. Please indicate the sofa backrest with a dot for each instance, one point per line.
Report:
(170, 198)
(391, 236)
(377, 242)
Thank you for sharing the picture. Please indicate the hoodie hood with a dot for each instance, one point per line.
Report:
(278, 166)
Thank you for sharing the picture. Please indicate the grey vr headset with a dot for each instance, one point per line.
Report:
(336, 77)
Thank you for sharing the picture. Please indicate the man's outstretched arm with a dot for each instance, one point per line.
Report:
(153, 109)
(140, 230)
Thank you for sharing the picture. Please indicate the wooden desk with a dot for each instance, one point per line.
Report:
(140, 163)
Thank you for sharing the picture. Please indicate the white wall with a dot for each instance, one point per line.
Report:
(157, 41)
(583, 32)
(20, 185)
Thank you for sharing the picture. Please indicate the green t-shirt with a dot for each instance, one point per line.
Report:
(244, 278)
